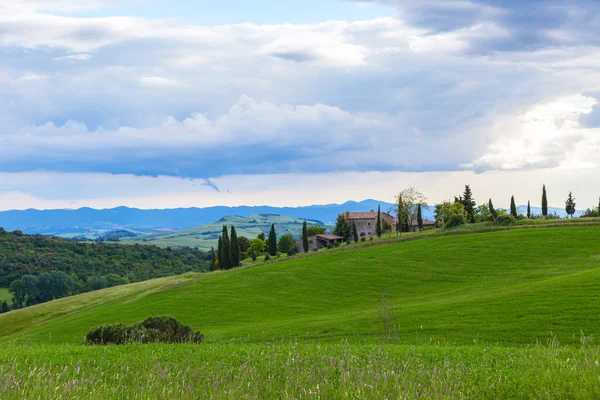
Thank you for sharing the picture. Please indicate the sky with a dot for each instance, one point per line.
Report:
(157, 104)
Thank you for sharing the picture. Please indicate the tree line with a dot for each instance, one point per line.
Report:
(46, 268)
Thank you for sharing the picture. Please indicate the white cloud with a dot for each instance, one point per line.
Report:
(547, 135)
(75, 57)
(158, 82)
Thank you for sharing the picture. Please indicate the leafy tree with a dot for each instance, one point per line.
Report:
(407, 202)
(419, 218)
(213, 258)
(570, 205)
(544, 203)
(259, 245)
(272, 241)
(493, 211)
(528, 209)
(469, 202)
(378, 229)
(513, 207)
(4, 307)
(244, 244)
(354, 232)
(341, 226)
(262, 236)
(286, 244)
(17, 289)
(234, 249)
(316, 230)
(456, 220)
(444, 211)
(482, 213)
(305, 244)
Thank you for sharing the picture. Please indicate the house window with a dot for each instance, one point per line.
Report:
(368, 223)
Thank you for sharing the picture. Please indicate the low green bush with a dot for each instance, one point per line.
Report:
(455, 220)
(161, 329)
(506, 219)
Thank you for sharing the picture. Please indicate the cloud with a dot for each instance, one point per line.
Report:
(158, 82)
(75, 57)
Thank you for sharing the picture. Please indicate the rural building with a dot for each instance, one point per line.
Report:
(319, 241)
(427, 224)
(366, 222)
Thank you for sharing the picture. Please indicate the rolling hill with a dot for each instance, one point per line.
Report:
(513, 287)
(206, 236)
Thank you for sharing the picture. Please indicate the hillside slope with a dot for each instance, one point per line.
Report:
(206, 236)
(508, 287)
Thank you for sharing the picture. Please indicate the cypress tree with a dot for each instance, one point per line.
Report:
(4, 307)
(225, 261)
(253, 253)
(378, 229)
(570, 205)
(419, 217)
(528, 209)
(513, 207)
(272, 241)
(469, 203)
(493, 210)
(400, 223)
(213, 259)
(354, 232)
(599, 206)
(544, 202)
(220, 253)
(305, 244)
(234, 249)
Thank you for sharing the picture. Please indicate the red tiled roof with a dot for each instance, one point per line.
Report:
(425, 222)
(329, 237)
(364, 215)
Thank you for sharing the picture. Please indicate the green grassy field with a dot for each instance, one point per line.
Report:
(504, 314)
(295, 371)
(206, 236)
(511, 287)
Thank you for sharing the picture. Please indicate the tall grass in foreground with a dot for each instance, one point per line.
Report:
(306, 370)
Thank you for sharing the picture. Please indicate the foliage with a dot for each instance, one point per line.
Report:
(161, 329)
(87, 264)
(234, 249)
(225, 256)
(570, 205)
(407, 203)
(506, 219)
(378, 228)
(456, 220)
(316, 230)
(482, 213)
(493, 211)
(272, 241)
(341, 226)
(513, 207)
(305, 244)
(259, 245)
(244, 244)
(4, 307)
(286, 244)
(590, 213)
(544, 202)
(17, 289)
(419, 218)
(213, 259)
(253, 253)
(529, 209)
(468, 202)
(354, 233)
(444, 211)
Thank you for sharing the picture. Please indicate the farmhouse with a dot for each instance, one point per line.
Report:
(319, 241)
(427, 224)
(366, 222)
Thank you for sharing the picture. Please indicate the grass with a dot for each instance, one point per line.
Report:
(5, 295)
(514, 287)
(291, 371)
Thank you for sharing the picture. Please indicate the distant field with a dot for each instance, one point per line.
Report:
(294, 371)
(5, 295)
(514, 287)
(206, 236)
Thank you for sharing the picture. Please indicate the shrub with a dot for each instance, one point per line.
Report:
(456, 220)
(507, 219)
(160, 329)
(267, 257)
(363, 239)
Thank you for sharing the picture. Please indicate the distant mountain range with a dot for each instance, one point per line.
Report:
(93, 223)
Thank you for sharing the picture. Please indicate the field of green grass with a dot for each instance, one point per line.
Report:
(206, 236)
(297, 371)
(500, 314)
